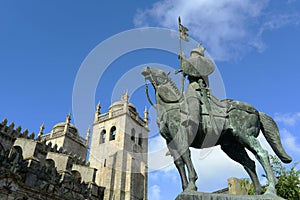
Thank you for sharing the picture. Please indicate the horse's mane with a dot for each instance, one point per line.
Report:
(169, 91)
(173, 85)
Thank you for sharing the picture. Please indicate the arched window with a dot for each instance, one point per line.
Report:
(16, 151)
(113, 132)
(50, 164)
(140, 141)
(77, 175)
(132, 135)
(102, 136)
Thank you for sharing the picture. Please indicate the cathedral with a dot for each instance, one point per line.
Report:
(110, 163)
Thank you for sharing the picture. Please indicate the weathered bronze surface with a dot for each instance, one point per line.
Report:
(195, 118)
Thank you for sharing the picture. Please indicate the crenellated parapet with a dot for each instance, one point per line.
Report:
(8, 133)
(38, 180)
(35, 168)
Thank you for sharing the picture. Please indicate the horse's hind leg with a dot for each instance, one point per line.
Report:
(262, 156)
(238, 153)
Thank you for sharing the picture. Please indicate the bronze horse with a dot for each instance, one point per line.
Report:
(240, 131)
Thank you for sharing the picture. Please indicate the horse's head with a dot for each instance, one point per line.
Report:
(162, 83)
(156, 76)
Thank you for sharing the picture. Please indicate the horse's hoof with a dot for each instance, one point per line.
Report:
(258, 191)
(191, 187)
(270, 191)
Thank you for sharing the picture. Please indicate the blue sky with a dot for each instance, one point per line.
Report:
(255, 45)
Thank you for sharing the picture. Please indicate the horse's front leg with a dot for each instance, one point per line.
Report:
(180, 165)
(186, 157)
(181, 169)
(181, 144)
(181, 160)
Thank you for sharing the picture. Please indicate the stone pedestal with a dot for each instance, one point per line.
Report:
(210, 196)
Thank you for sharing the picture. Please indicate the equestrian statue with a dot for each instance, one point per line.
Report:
(196, 118)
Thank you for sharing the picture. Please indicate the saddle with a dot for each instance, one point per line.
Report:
(214, 114)
(218, 108)
(221, 108)
(213, 117)
(238, 105)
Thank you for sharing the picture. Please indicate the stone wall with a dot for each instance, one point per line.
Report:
(236, 186)
(31, 169)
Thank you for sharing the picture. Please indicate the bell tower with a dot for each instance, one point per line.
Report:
(119, 148)
(66, 135)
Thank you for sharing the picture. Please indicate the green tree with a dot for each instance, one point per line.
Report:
(288, 185)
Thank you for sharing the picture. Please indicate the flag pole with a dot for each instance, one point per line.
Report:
(180, 57)
(179, 36)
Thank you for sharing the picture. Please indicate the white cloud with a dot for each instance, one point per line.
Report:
(154, 192)
(157, 159)
(288, 119)
(272, 23)
(228, 28)
(289, 141)
(167, 173)
(214, 170)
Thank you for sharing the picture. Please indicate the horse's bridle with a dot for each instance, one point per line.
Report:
(147, 94)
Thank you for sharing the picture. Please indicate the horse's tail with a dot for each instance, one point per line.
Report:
(271, 133)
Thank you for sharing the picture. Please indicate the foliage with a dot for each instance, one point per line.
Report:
(250, 188)
(288, 185)
(247, 186)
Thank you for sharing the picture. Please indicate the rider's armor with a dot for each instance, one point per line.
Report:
(197, 68)
(197, 65)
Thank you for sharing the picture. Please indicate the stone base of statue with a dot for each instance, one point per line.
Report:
(192, 195)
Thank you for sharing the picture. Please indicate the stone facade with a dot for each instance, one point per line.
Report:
(236, 186)
(119, 148)
(55, 165)
(66, 135)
